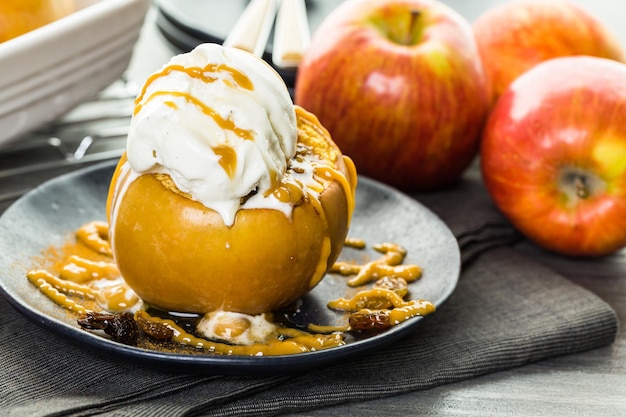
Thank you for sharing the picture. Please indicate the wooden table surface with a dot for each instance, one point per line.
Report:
(587, 384)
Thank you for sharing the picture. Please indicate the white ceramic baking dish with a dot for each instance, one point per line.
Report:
(49, 70)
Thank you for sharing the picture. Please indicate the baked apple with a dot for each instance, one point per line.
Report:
(181, 254)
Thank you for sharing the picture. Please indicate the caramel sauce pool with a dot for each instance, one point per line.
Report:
(83, 279)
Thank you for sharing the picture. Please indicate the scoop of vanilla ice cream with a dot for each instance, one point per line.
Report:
(219, 121)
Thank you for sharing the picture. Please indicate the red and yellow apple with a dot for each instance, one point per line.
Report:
(553, 155)
(400, 86)
(515, 36)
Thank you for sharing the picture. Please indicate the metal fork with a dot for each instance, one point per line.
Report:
(64, 144)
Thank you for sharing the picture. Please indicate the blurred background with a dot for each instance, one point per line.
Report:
(95, 130)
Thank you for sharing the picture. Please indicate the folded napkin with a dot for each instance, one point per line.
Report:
(506, 311)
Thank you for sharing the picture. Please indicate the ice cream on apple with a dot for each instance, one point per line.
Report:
(220, 123)
(229, 197)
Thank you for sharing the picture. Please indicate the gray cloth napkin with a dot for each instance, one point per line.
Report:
(471, 216)
(506, 311)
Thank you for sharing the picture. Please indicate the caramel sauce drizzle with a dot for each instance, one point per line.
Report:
(362, 297)
(325, 329)
(288, 192)
(204, 74)
(331, 174)
(171, 104)
(118, 298)
(63, 286)
(226, 124)
(398, 311)
(39, 280)
(354, 243)
(115, 185)
(383, 305)
(390, 306)
(95, 236)
(80, 270)
(322, 264)
(387, 265)
(228, 159)
(295, 192)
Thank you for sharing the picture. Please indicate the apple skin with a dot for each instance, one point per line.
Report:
(553, 155)
(400, 86)
(515, 36)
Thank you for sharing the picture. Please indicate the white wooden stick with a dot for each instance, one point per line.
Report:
(291, 34)
(252, 30)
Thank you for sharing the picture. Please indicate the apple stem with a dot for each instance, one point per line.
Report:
(413, 22)
(582, 190)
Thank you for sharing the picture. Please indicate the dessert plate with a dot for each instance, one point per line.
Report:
(50, 214)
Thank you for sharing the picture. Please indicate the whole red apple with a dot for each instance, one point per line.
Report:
(553, 155)
(400, 86)
(515, 36)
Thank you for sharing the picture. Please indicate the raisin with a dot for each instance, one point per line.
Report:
(369, 320)
(94, 321)
(395, 284)
(121, 327)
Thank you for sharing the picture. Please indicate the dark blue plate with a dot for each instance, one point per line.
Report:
(50, 214)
